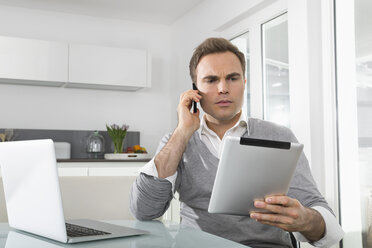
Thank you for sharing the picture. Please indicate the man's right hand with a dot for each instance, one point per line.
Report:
(168, 158)
(187, 121)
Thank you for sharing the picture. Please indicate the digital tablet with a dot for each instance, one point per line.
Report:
(251, 169)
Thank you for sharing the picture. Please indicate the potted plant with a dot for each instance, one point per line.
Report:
(117, 134)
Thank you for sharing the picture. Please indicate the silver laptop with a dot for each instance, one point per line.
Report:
(251, 169)
(33, 197)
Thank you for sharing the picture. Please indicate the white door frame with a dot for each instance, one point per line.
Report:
(347, 124)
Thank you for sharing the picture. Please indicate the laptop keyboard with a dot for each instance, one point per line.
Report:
(81, 231)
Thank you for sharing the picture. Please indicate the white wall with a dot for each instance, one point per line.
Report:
(147, 110)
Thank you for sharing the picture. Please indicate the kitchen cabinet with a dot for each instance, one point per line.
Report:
(47, 63)
(99, 168)
(36, 62)
(108, 67)
(112, 169)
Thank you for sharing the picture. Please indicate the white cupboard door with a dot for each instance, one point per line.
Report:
(68, 172)
(105, 66)
(23, 60)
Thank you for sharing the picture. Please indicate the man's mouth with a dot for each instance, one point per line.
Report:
(224, 103)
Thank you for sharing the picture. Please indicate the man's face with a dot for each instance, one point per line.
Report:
(221, 83)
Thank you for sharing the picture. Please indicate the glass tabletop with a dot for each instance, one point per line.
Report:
(162, 234)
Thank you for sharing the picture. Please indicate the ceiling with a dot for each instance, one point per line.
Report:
(153, 11)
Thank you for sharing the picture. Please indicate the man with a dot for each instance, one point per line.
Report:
(187, 161)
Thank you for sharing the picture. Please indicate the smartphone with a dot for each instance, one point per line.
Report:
(193, 102)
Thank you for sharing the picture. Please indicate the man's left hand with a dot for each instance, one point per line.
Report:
(290, 215)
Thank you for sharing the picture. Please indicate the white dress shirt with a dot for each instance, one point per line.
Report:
(333, 230)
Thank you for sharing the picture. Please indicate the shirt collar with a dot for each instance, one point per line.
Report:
(204, 129)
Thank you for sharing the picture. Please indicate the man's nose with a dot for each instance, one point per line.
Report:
(223, 87)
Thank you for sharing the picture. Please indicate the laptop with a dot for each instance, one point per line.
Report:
(251, 169)
(33, 197)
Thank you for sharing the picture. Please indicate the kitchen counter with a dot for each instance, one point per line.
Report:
(89, 160)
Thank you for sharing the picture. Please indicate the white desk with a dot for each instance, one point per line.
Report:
(161, 235)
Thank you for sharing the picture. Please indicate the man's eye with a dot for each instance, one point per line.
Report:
(234, 78)
(211, 80)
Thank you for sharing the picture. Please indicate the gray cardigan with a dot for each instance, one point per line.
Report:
(150, 197)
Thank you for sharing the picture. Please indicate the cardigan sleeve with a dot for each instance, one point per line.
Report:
(150, 196)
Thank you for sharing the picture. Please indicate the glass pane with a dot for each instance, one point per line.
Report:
(242, 42)
(275, 70)
(363, 46)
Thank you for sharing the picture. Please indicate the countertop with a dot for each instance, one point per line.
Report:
(89, 160)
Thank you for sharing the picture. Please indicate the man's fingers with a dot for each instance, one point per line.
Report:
(282, 200)
(272, 208)
(187, 97)
(284, 212)
(272, 218)
(196, 113)
(277, 209)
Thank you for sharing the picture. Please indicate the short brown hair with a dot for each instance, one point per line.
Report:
(211, 46)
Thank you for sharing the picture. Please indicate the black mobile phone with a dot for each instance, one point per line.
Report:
(193, 102)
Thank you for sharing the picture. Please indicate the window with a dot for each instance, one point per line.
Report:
(275, 70)
(266, 50)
